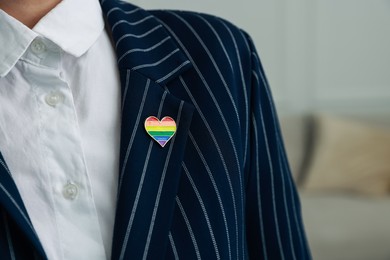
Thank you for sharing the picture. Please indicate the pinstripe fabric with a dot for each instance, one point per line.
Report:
(18, 239)
(221, 188)
(231, 195)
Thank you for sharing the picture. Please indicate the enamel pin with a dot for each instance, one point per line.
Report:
(160, 130)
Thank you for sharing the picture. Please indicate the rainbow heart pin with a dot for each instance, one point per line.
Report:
(160, 130)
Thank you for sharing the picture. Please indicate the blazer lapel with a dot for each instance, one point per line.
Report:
(149, 174)
(12, 202)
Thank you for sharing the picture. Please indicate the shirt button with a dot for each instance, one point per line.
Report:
(52, 99)
(70, 191)
(37, 46)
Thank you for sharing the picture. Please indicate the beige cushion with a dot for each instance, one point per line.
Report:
(350, 157)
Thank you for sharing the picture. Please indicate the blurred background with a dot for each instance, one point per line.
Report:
(328, 64)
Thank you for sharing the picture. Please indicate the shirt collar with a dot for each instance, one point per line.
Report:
(73, 25)
(15, 38)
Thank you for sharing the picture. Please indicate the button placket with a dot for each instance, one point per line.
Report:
(67, 184)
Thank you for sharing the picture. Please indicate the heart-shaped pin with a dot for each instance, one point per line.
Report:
(160, 130)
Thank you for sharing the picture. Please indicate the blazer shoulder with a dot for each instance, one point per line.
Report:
(194, 18)
(202, 34)
(202, 23)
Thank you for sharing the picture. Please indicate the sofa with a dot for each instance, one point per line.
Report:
(341, 165)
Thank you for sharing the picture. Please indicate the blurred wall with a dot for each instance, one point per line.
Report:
(319, 55)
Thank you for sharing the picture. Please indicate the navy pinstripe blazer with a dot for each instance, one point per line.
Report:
(221, 188)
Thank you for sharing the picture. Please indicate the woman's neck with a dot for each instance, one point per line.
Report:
(29, 12)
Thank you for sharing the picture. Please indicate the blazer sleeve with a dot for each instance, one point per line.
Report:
(274, 224)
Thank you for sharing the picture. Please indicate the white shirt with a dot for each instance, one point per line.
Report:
(60, 126)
